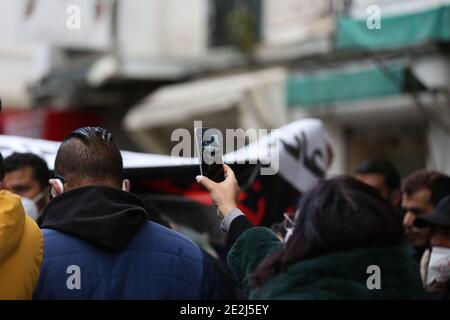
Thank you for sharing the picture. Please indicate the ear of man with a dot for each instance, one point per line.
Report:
(57, 187)
(126, 185)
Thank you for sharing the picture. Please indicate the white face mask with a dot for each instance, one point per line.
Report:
(30, 208)
(439, 265)
(38, 197)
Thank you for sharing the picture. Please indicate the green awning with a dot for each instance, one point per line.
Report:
(325, 88)
(396, 31)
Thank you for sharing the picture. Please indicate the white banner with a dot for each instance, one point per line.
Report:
(47, 150)
(296, 151)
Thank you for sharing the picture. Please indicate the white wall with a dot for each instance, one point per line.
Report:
(186, 28)
(16, 57)
(439, 149)
(139, 28)
(150, 29)
(292, 21)
(48, 23)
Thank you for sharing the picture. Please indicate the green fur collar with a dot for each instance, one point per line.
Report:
(344, 275)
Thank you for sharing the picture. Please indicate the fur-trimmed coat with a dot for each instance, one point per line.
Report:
(341, 275)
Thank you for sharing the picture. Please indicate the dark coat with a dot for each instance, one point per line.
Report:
(117, 252)
(341, 275)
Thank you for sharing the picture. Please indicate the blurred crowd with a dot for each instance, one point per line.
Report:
(79, 233)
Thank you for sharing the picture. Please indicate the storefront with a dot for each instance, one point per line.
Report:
(390, 97)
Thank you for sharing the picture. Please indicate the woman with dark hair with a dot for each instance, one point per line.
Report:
(346, 243)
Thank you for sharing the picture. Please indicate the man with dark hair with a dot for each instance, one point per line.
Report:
(383, 176)
(98, 241)
(422, 191)
(89, 155)
(26, 175)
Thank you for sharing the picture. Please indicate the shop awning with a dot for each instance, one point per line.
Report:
(397, 31)
(330, 86)
(244, 100)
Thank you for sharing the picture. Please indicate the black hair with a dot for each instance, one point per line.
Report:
(437, 183)
(2, 168)
(385, 168)
(91, 154)
(339, 214)
(17, 161)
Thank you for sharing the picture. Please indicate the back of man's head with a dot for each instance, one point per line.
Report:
(384, 168)
(89, 156)
(437, 183)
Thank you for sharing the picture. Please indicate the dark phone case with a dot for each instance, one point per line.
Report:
(213, 171)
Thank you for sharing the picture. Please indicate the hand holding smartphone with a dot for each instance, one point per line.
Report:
(209, 147)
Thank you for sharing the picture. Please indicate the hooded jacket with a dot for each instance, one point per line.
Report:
(339, 275)
(21, 248)
(99, 244)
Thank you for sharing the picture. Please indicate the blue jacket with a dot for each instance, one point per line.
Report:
(90, 258)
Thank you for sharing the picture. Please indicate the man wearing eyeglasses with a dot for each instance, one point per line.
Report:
(422, 191)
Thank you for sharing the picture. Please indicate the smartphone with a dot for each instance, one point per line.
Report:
(209, 147)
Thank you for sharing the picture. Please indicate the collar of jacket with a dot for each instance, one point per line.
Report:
(101, 215)
(346, 275)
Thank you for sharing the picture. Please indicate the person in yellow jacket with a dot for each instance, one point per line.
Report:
(21, 248)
